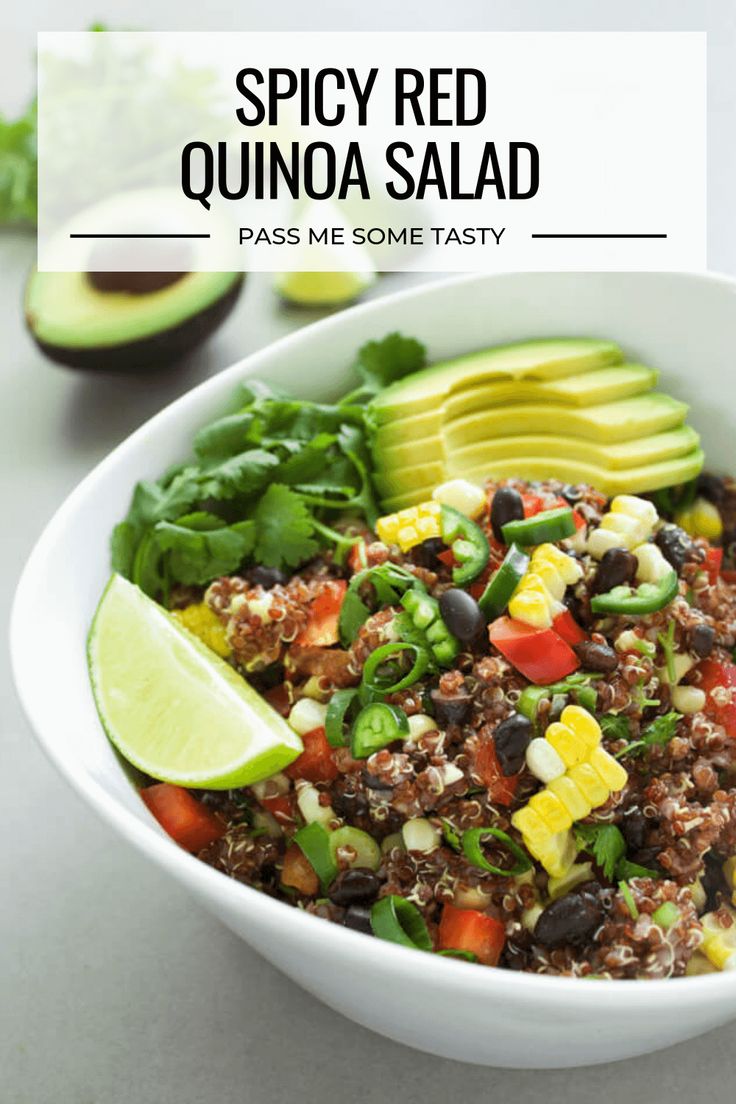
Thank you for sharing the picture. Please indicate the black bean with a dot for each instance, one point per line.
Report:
(461, 614)
(266, 577)
(575, 606)
(426, 553)
(596, 657)
(572, 493)
(356, 886)
(711, 487)
(634, 827)
(349, 805)
(616, 568)
(511, 739)
(569, 919)
(507, 505)
(701, 640)
(451, 709)
(358, 918)
(674, 544)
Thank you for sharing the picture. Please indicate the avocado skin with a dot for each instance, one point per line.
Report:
(155, 351)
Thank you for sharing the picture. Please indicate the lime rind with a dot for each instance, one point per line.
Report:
(173, 708)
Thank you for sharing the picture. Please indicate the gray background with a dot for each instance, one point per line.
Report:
(115, 988)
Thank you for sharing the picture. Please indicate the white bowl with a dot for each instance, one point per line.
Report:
(683, 324)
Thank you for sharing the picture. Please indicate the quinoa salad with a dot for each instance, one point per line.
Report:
(513, 701)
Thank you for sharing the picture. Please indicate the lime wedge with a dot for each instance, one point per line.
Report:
(171, 706)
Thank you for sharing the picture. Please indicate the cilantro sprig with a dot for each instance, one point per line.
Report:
(657, 733)
(264, 485)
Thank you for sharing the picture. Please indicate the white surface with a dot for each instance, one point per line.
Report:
(674, 321)
(103, 1001)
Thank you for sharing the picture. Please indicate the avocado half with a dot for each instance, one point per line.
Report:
(571, 409)
(128, 320)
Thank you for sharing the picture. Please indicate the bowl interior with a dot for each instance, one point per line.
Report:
(684, 325)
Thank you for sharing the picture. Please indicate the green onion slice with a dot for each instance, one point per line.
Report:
(452, 836)
(399, 921)
(472, 842)
(375, 685)
(666, 915)
(314, 842)
(340, 703)
(629, 899)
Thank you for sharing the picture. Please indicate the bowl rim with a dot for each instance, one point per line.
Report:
(442, 973)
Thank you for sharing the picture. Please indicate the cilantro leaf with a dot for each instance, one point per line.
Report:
(604, 842)
(243, 474)
(614, 727)
(284, 528)
(626, 870)
(201, 546)
(657, 733)
(18, 168)
(383, 362)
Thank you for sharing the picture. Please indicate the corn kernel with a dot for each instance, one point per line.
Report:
(571, 797)
(551, 810)
(204, 623)
(411, 526)
(583, 724)
(530, 824)
(590, 784)
(462, 495)
(611, 772)
(719, 943)
(630, 530)
(557, 854)
(543, 761)
(575, 876)
(636, 507)
(651, 564)
(551, 578)
(571, 748)
(570, 570)
(531, 607)
(688, 699)
(387, 528)
(601, 540)
(702, 519)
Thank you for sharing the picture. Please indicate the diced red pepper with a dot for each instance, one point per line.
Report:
(541, 655)
(298, 872)
(190, 823)
(501, 787)
(567, 627)
(357, 557)
(716, 676)
(577, 517)
(324, 614)
(473, 931)
(281, 808)
(447, 558)
(317, 762)
(713, 562)
(728, 576)
(533, 504)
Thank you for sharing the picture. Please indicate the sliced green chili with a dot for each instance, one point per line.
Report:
(399, 921)
(314, 842)
(337, 710)
(550, 525)
(377, 725)
(452, 836)
(375, 685)
(388, 580)
(646, 598)
(424, 612)
(472, 843)
(469, 545)
(502, 584)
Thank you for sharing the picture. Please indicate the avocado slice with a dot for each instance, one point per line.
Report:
(126, 320)
(602, 385)
(553, 358)
(648, 477)
(485, 454)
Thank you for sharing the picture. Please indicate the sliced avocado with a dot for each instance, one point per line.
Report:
(322, 289)
(126, 320)
(483, 455)
(602, 385)
(648, 477)
(553, 358)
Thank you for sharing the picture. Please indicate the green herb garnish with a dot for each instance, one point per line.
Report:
(629, 899)
(657, 733)
(604, 842)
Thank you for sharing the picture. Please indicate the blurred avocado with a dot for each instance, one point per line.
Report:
(113, 320)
